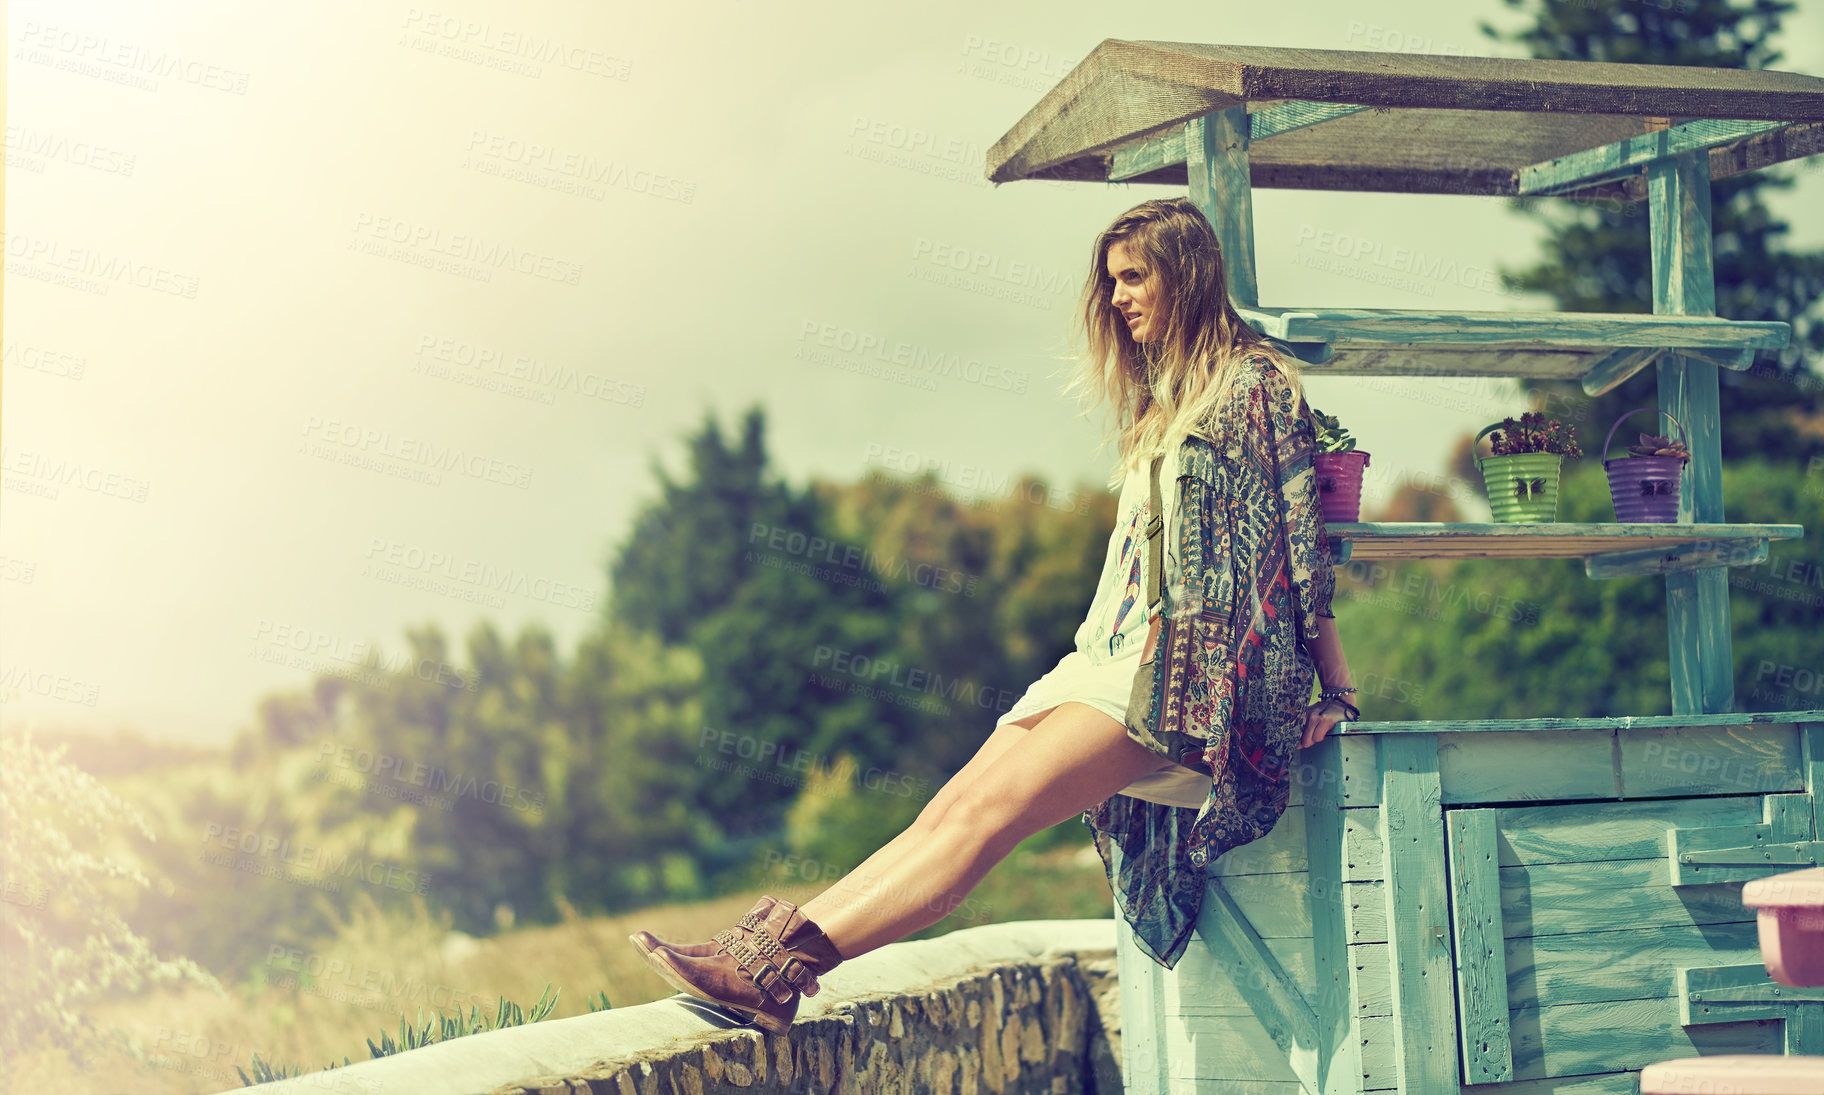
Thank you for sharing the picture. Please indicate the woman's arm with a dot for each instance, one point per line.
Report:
(1327, 651)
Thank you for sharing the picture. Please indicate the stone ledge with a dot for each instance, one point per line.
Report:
(1004, 1009)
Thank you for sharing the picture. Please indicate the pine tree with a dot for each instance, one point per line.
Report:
(1598, 258)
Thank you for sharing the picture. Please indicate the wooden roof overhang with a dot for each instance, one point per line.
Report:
(1331, 119)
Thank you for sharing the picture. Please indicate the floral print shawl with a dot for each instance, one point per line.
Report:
(1231, 672)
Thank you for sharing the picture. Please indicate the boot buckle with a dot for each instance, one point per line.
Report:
(798, 974)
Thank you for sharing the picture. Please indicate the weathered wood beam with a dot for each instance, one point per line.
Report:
(1626, 158)
(1418, 911)
(1731, 544)
(1539, 329)
(1676, 558)
(1548, 725)
(1216, 151)
(1311, 353)
(1608, 373)
(1697, 602)
(1271, 993)
(1148, 155)
(1611, 370)
(1270, 121)
(1476, 929)
(1338, 1029)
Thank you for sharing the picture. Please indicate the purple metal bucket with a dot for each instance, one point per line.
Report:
(1644, 488)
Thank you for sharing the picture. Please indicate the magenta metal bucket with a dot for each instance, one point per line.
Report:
(1644, 488)
(1339, 485)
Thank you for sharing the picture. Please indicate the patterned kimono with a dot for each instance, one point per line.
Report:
(1231, 675)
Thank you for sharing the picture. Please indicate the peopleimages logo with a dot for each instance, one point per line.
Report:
(388, 766)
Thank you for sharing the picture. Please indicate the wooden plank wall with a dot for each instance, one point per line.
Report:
(1588, 926)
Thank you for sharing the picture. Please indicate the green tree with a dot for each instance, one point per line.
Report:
(1529, 638)
(745, 570)
(1597, 256)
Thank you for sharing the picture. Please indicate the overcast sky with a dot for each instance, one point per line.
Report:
(311, 412)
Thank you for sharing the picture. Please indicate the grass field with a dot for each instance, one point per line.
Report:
(379, 969)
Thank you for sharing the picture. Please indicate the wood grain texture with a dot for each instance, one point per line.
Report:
(1677, 558)
(1217, 147)
(1697, 602)
(1568, 898)
(1549, 539)
(1625, 158)
(1333, 989)
(1407, 327)
(1481, 950)
(1274, 999)
(1734, 992)
(1418, 919)
(1568, 1039)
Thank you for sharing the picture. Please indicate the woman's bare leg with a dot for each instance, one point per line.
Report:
(852, 887)
(1076, 757)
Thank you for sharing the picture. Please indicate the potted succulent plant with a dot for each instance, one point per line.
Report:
(1339, 470)
(1522, 475)
(1644, 484)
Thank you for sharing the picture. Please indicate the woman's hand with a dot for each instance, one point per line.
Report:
(1319, 718)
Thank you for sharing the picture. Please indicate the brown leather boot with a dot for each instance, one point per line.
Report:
(648, 942)
(758, 969)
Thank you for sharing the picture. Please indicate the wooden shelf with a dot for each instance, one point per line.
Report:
(1609, 549)
(1610, 722)
(1601, 349)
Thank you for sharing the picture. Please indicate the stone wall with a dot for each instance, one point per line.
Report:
(1027, 1008)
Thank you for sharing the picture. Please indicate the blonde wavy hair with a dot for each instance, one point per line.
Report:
(1163, 390)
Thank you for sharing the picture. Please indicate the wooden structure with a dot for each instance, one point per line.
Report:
(1526, 906)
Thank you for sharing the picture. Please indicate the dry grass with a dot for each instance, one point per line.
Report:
(380, 968)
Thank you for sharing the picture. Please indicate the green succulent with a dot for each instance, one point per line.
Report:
(1533, 433)
(1659, 445)
(1331, 434)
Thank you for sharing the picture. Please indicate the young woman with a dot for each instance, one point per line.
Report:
(1223, 673)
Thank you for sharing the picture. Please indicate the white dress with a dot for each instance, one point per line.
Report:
(1100, 671)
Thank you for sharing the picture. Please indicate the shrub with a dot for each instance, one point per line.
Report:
(62, 944)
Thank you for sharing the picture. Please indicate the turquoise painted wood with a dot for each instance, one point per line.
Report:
(1481, 950)
(1418, 950)
(1697, 603)
(1336, 1024)
(1218, 174)
(1171, 148)
(1625, 158)
(1728, 552)
(1568, 329)
(1147, 156)
(1538, 906)
(1610, 370)
(1271, 121)
(1485, 909)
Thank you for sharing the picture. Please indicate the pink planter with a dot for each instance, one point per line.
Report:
(1790, 909)
(1339, 485)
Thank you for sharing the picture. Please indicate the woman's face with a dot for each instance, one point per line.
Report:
(1140, 300)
